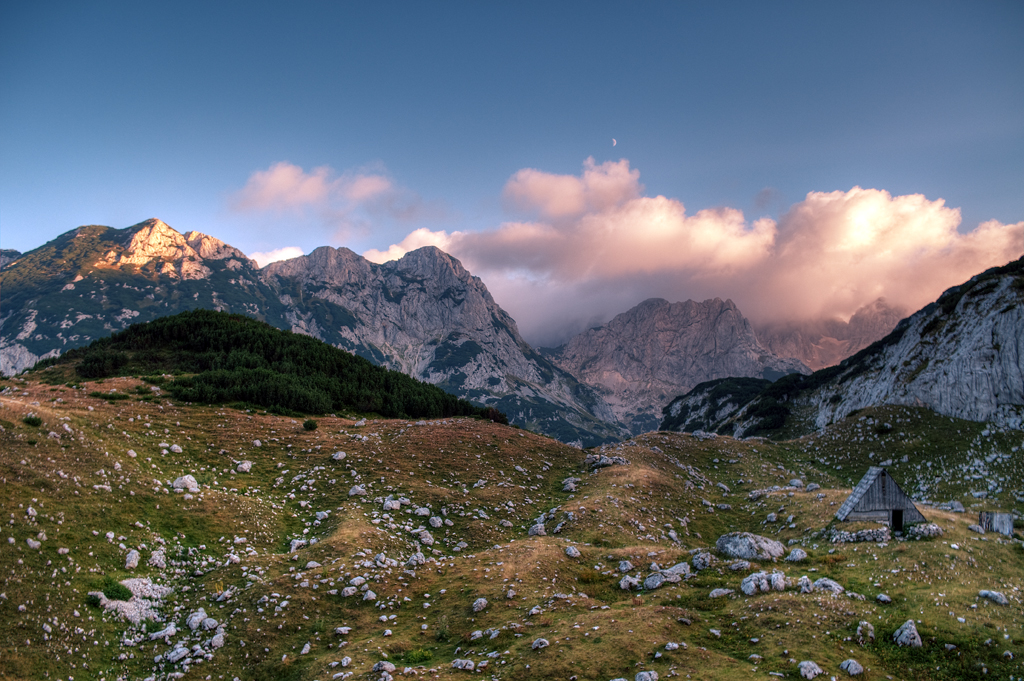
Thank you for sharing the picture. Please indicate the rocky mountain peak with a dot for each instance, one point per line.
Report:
(645, 356)
(326, 265)
(212, 248)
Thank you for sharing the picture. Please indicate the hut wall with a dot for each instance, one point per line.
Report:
(883, 496)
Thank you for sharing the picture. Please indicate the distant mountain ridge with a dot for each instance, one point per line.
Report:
(961, 356)
(825, 342)
(424, 314)
(644, 356)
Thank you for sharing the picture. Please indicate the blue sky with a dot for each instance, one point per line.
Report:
(112, 113)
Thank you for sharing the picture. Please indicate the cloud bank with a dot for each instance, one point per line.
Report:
(594, 246)
(344, 203)
(286, 253)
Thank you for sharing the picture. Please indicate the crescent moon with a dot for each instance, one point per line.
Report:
(614, 142)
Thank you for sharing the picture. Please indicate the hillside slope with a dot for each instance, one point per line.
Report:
(235, 543)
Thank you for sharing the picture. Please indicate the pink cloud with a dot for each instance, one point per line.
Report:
(599, 247)
(600, 187)
(285, 186)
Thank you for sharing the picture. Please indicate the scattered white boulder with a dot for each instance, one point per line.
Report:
(572, 552)
(796, 555)
(132, 560)
(851, 667)
(185, 482)
(540, 643)
(748, 546)
(809, 669)
(479, 604)
(994, 596)
(907, 635)
(244, 466)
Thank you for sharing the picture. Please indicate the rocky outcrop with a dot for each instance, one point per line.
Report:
(961, 356)
(426, 316)
(749, 546)
(645, 356)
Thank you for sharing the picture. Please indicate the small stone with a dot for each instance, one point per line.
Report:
(479, 604)
(718, 593)
(383, 666)
(132, 560)
(537, 530)
(883, 599)
(244, 466)
(464, 665)
(865, 630)
(646, 676)
(796, 555)
(572, 552)
(625, 566)
(540, 643)
(628, 583)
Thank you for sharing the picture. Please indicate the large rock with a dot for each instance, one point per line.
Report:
(186, 482)
(809, 669)
(907, 635)
(132, 560)
(851, 667)
(749, 546)
(994, 596)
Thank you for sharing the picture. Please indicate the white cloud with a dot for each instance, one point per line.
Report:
(598, 247)
(286, 253)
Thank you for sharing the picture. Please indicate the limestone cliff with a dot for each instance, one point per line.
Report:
(960, 356)
(427, 316)
(647, 355)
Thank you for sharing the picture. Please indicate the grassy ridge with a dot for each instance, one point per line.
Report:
(233, 358)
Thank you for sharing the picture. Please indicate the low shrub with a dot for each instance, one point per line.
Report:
(310, 424)
(33, 421)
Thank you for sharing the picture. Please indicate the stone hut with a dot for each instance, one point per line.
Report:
(878, 497)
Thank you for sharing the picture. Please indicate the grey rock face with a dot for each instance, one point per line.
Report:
(703, 560)
(907, 635)
(826, 584)
(963, 357)
(186, 482)
(748, 546)
(851, 667)
(809, 669)
(426, 316)
(994, 596)
(647, 355)
(796, 555)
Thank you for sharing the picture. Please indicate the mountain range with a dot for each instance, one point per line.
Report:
(423, 314)
(961, 356)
